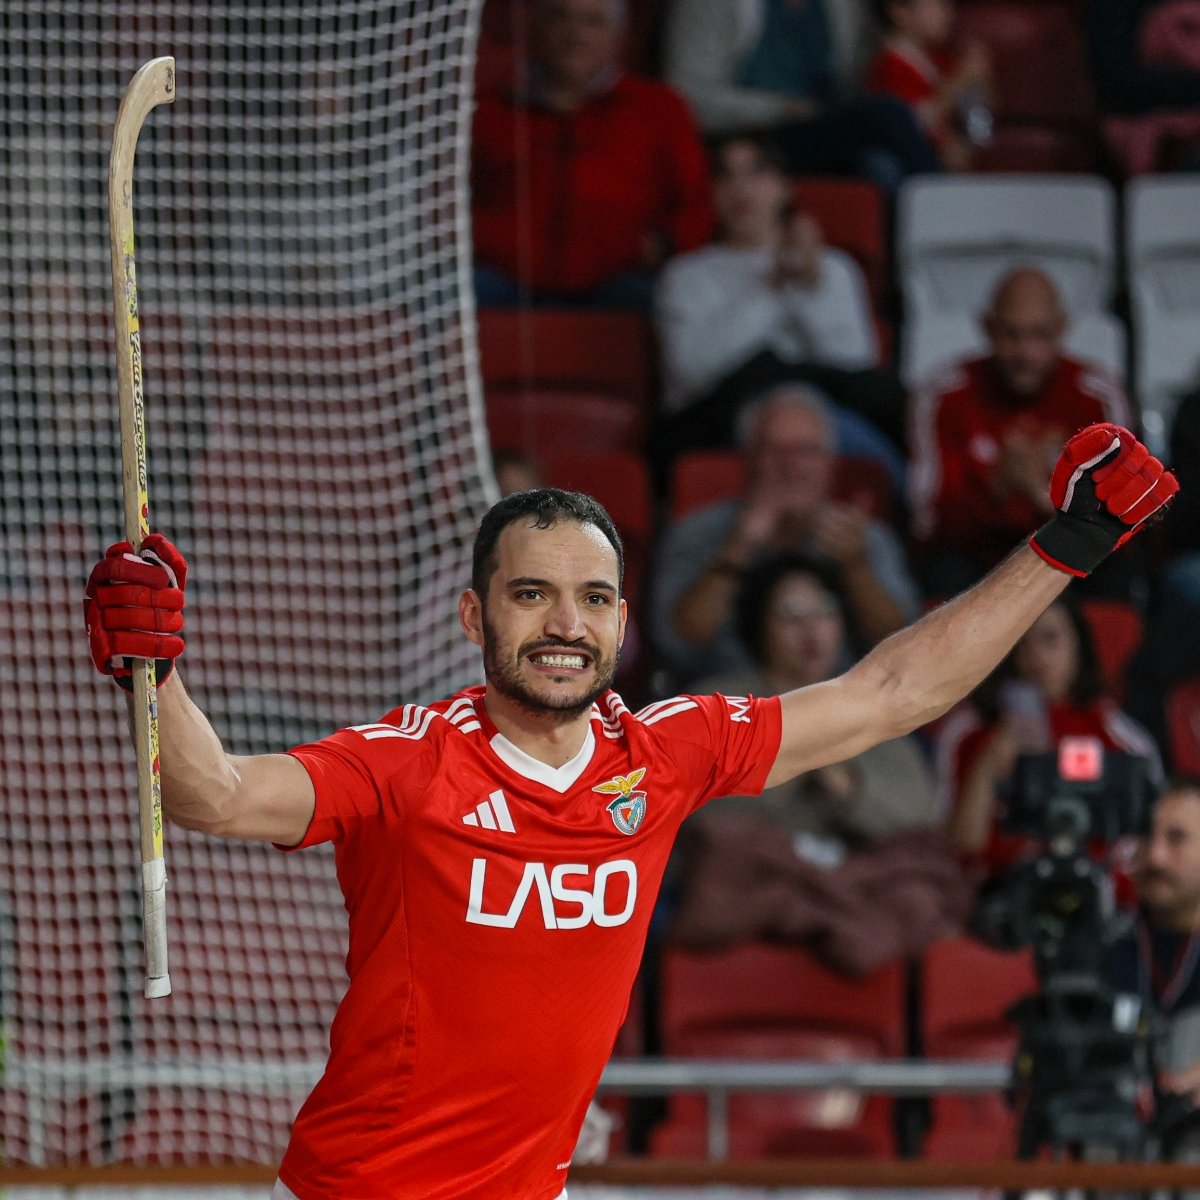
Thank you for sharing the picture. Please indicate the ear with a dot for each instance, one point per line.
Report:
(623, 611)
(470, 616)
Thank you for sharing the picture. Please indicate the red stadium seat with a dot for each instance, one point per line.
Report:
(545, 422)
(965, 990)
(1183, 726)
(704, 476)
(1117, 631)
(852, 217)
(768, 1002)
(609, 354)
(566, 381)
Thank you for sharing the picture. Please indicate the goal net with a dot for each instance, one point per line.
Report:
(317, 450)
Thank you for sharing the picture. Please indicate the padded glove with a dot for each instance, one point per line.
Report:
(1105, 487)
(133, 607)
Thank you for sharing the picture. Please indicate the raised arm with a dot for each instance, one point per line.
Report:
(134, 608)
(1105, 488)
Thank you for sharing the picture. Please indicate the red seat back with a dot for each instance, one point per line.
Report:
(851, 214)
(1183, 726)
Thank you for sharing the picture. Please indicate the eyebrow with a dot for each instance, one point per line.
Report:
(592, 585)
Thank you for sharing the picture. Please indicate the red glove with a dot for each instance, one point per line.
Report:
(1106, 486)
(134, 608)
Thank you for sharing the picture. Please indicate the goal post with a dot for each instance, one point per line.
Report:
(317, 448)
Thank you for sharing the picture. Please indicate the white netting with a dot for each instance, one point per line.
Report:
(315, 437)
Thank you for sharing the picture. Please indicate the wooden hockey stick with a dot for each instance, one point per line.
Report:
(153, 84)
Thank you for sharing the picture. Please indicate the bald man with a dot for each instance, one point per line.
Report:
(983, 434)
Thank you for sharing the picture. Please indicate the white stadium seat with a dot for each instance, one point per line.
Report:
(1163, 246)
(956, 235)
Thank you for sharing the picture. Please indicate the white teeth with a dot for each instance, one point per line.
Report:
(561, 660)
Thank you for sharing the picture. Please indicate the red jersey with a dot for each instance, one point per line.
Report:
(909, 74)
(957, 428)
(564, 201)
(497, 909)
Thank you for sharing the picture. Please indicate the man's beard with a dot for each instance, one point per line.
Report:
(504, 674)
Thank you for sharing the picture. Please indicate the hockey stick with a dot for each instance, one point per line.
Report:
(153, 84)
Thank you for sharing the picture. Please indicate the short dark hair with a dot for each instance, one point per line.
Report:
(548, 507)
(769, 152)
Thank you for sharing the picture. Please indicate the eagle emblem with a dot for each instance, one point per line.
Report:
(627, 808)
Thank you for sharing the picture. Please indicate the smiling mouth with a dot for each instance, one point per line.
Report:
(559, 661)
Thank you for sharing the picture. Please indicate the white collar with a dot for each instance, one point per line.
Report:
(560, 779)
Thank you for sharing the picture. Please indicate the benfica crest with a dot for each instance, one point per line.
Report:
(628, 808)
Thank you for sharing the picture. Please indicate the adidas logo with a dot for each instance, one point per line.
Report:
(492, 813)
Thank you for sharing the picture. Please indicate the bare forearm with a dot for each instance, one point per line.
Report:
(198, 780)
(929, 666)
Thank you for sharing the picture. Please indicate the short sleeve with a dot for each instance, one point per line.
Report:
(363, 773)
(727, 744)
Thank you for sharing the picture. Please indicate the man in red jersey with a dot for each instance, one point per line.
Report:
(500, 851)
(584, 177)
(984, 434)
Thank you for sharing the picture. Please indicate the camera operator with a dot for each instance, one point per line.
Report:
(1158, 959)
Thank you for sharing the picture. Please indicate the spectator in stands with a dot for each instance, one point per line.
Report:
(844, 858)
(1158, 960)
(515, 471)
(584, 178)
(1049, 687)
(767, 302)
(786, 506)
(790, 67)
(1146, 69)
(947, 91)
(982, 434)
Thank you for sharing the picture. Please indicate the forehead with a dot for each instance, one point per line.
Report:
(798, 587)
(1178, 810)
(565, 549)
(785, 424)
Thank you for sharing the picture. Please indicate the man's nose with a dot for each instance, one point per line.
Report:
(565, 621)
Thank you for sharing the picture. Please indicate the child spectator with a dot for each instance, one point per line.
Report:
(948, 92)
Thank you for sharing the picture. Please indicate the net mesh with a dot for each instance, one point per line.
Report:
(315, 449)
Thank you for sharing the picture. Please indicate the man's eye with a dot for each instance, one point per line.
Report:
(598, 599)
(529, 594)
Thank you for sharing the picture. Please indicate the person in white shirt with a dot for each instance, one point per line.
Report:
(767, 303)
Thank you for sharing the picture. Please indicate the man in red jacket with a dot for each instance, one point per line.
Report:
(584, 178)
(984, 434)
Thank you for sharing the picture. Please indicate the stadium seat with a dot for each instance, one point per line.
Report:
(852, 217)
(701, 477)
(1183, 726)
(965, 989)
(934, 340)
(610, 354)
(1117, 632)
(957, 234)
(770, 1002)
(1162, 241)
(621, 482)
(544, 421)
(566, 380)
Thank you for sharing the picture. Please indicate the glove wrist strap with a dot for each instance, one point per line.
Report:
(1073, 544)
(163, 668)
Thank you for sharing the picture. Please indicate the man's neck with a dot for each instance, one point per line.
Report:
(553, 738)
